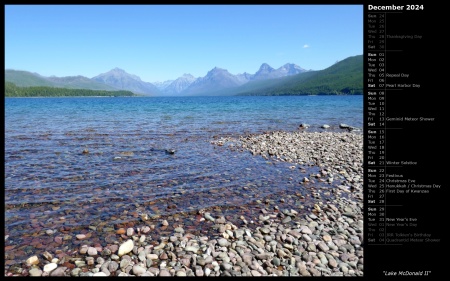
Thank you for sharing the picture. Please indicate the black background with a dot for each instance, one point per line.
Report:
(421, 142)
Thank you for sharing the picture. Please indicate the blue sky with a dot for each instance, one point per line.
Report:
(162, 42)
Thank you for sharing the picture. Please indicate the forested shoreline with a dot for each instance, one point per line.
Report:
(11, 90)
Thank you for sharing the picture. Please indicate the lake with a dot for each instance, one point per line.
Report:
(50, 184)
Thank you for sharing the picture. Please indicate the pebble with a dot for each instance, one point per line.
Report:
(130, 231)
(207, 271)
(50, 266)
(208, 217)
(286, 219)
(164, 272)
(92, 251)
(223, 242)
(152, 256)
(35, 272)
(198, 271)
(326, 241)
(60, 271)
(138, 270)
(33, 260)
(126, 247)
(191, 249)
(80, 236)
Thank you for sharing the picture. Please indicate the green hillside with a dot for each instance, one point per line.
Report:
(342, 78)
(11, 90)
(26, 79)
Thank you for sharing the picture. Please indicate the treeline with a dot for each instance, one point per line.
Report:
(11, 90)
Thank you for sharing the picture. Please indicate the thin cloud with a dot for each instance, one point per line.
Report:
(305, 46)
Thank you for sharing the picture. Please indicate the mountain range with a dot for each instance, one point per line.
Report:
(119, 79)
(344, 77)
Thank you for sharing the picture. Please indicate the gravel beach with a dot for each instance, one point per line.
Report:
(323, 236)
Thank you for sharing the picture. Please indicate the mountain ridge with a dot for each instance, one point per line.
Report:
(217, 81)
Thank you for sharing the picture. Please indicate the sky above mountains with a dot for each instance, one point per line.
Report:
(162, 42)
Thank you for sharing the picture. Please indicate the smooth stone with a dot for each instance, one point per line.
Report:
(327, 238)
(207, 271)
(154, 271)
(141, 256)
(92, 251)
(35, 272)
(152, 256)
(179, 230)
(276, 261)
(130, 231)
(124, 263)
(181, 273)
(164, 272)
(126, 247)
(114, 248)
(60, 271)
(145, 230)
(263, 256)
(163, 256)
(332, 263)
(255, 273)
(286, 219)
(223, 242)
(100, 260)
(322, 246)
(99, 274)
(208, 217)
(199, 272)
(113, 266)
(80, 236)
(80, 263)
(49, 267)
(75, 272)
(226, 266)
(295, 233)
(192, 249)
(305, 230)
(33, 260)
(311, 247)
(138, 270)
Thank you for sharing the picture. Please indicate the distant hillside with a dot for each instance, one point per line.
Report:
(342, 78)
(11, 90)
(28, 79)
(79, 82)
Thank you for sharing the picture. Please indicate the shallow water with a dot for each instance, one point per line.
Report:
(51, 184)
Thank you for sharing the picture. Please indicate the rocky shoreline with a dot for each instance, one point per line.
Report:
(324, 239)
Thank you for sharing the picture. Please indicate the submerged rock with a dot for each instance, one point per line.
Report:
(170, 151)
